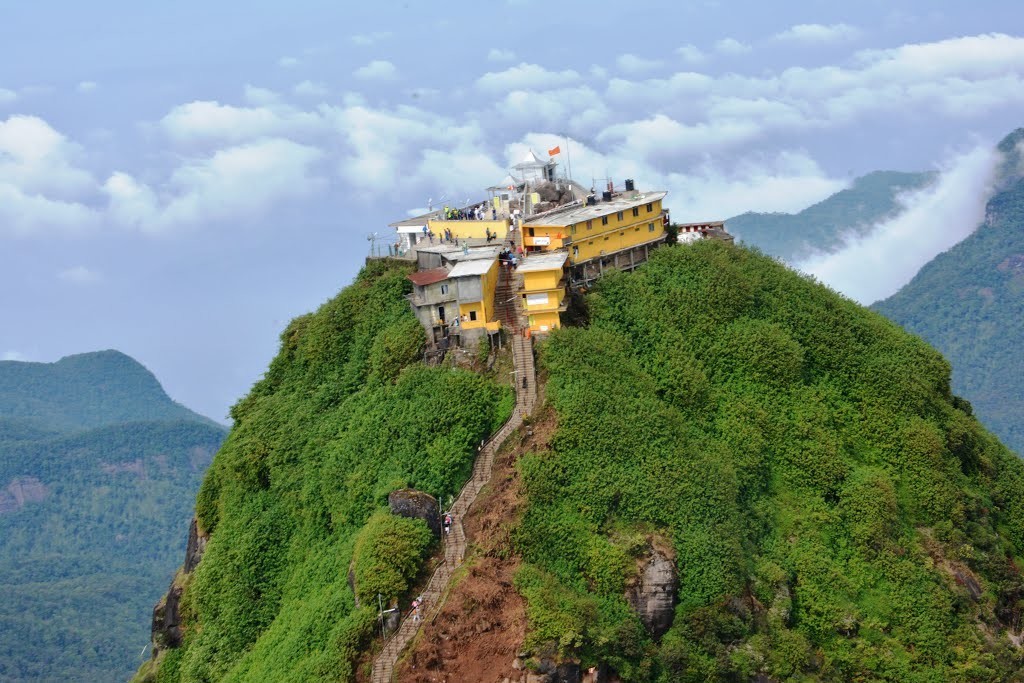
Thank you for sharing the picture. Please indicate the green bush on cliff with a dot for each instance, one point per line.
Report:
(388, 553)
(344, 415)
(828, 499)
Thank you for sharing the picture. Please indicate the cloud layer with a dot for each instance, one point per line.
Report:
(933, 220)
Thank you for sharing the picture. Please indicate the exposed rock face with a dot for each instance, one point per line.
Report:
(195, 547)
(166, 628)
(412, 503)
(19, 491)
(167, 621)
(653, 597)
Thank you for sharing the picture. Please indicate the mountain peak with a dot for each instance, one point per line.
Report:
(86, 390)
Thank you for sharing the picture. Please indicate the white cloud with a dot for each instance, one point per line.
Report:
(260, 96)
(288, 62)
(311, 89)
(13, 355)
(819, 33)
(579, 110)
(408, 150)
(39, 160)
(41, 187)
(377, 70)
(691, 54)
(364, 39)
(79, 275)
(706, 190)
(205, 121)
(86, 86)
(661, 137)
(934, 219)
(525, 77)
(634, 64)
(236, 183)
(732, 47)
(24, 214)
(499, 55)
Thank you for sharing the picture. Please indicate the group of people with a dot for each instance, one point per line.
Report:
(508, 257)
(473, 213)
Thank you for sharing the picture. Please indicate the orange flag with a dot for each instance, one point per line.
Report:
(557, 149)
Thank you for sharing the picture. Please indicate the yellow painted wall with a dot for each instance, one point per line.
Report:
(469, 228)
(544, 322)
(484, 309)
(541, 279)
(555, 299)
(615, 235)
(616, 240)
(465, 309)
(555, 235)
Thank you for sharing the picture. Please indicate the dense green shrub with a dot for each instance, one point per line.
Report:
(344, 415)
(388, 553)
(818, 480)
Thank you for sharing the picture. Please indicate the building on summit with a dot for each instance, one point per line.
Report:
(538, 235)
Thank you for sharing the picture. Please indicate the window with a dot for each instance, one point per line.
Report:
(636, 229)
(444, 289)
(440, 313)
(604, 220)
(636, 210)
(650, 227)
(575, 253)
(472, 315)
(590, 224)
(619, 215)
(605, 239)
(531, 232)
(650, 207)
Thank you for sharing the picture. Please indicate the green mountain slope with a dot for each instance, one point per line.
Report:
(969, 303)
(294, 499)
(822, 227)
(90, 518)
(834, 512)
(84, 391)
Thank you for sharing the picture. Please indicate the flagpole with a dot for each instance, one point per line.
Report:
(568, 159)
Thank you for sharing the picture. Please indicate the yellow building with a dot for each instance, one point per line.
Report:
(616, 232)
(544, 289)
(476, 280)
(453, 293)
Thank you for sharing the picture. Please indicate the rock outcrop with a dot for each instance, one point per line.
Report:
(653, 596)
(166, 627)
(416, 504)
(19, 491)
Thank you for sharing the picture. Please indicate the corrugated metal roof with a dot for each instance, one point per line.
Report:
(583, 213)
(428, 277)
(543, 261)
(473, 267)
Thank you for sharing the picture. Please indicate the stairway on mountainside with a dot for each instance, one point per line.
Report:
(508, 311)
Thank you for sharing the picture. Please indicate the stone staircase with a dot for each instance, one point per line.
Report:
(508, 309)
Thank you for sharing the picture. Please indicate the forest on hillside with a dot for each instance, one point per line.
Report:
(968, 303)
(297, 496)
(835, 512)
(94, 506)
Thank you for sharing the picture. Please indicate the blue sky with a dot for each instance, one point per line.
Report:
(178, 180)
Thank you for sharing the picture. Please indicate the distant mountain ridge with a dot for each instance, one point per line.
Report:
(969, 303)
(98, 471)
(85, 390)
(822, 227)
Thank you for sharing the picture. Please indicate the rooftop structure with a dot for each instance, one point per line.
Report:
(566, 235)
